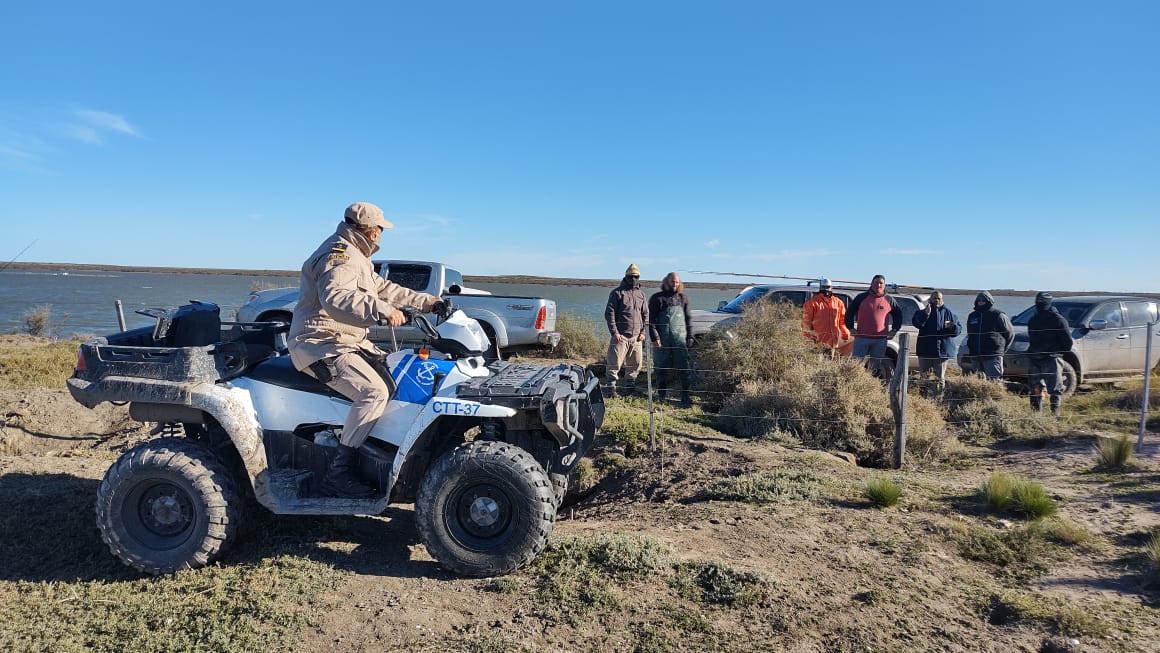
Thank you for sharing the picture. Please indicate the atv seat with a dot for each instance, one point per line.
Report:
(280, 372)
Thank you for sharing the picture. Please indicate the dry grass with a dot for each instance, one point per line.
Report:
(1114, 453)
(36, 364)
(579, 338)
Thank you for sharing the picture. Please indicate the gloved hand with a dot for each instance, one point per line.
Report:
(440, 309)
(690, 341)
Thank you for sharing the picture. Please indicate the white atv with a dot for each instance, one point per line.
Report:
(483, 451)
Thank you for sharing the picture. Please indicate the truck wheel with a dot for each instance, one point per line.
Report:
(491, 354)
(1070, 378)
(485, 509)
(167, 505)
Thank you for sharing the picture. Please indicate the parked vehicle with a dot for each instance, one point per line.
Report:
(483, 451)
(728, 312)
(1110, 335)
(511, 323)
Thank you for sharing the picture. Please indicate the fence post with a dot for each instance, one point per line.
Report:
(652, 427)
(898, 384)
(120, 315)
(1147, 378)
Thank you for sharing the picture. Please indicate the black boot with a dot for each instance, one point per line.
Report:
(686, 400)
(339, 482)
(1036, 403)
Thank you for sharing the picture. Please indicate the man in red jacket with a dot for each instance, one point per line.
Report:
(875, 318)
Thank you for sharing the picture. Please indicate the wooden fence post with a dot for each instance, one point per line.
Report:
(898, 384)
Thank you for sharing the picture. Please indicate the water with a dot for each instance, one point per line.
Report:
(82, 302)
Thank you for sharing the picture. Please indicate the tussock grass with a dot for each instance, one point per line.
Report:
(37, 365)
(882, 492)
(779, 485)
(768, 382)
(1152, 553)
(1063, 532)
(1114, 453)
(628, 428)
(1014, 494)
(579, 338)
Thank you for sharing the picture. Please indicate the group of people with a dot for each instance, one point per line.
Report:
(342, 297)
(874, 318)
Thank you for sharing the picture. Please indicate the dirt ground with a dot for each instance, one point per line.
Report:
(841, 575)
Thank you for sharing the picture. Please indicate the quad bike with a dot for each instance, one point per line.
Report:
(483, 451)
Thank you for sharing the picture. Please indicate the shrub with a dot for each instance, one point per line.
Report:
(767, 381)
(1152, 552)
(38, 321)
(629, 428)
(579, 338)
(983, 411)
(718, 584)
(882, 492)
(1114, 453)
(1000, 548)
(776, 486)
(996, 491)
(1062, 531)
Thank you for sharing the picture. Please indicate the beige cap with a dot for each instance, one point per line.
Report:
(365, 214)
(632, 270)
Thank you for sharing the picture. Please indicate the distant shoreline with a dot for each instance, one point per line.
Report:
(525, 279)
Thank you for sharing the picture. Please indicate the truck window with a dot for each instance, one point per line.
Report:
(1141, 313)
(415, 277)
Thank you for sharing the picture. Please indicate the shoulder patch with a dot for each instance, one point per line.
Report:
(339, 248)
(337, 256)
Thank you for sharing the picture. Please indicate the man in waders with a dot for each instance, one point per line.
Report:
(671, 329)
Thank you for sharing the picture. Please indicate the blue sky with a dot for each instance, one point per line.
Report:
(957, 144)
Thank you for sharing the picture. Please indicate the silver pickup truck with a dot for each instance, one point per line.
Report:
(511, 323)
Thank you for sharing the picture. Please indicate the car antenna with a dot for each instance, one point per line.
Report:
(5, 266)
(807, 279)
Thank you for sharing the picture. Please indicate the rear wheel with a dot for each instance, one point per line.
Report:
(485, 509)
(1070, 378)
(166, 505)
(491, 354)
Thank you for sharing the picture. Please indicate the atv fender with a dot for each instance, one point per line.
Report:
(436, 409)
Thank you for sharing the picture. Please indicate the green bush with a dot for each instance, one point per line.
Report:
(1152, 553)
(779, 485)
(580, 338)
(718, 584)
(629, 428)
(996, 491)
(882, 492)
(1114, 453)
(1062, 531)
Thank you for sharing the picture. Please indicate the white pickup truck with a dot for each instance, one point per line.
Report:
(511, 323)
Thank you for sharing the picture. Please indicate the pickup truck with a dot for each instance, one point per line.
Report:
(511, 323)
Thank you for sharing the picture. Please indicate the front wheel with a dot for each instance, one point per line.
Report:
(485, 509)
(166, 505)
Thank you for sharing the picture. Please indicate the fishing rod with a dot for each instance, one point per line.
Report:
(5, 266)
(813, 279)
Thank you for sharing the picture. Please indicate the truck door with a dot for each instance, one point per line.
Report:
(1107, 351)
(1141, 316)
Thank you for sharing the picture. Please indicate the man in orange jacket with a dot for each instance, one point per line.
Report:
(824, 320)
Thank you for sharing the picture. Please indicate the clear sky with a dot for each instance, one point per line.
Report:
(967, 144)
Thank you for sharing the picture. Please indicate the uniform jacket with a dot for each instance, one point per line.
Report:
(824, 320)
(989, 330)
(885, 302)
(340, 297)
(1048, 334)
(627, 309)
(935, 338)
(669, 319)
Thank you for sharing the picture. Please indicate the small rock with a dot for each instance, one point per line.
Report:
(1006, 524)
(714, 521)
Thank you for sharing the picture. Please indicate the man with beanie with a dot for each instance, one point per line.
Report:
(937, 329)
(824, 320)
(671, 329)
(340, 298)
(875, 318)
(626, 316)
(989, 334)
(1049, 338)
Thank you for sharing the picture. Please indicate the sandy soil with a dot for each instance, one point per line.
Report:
(842, 575)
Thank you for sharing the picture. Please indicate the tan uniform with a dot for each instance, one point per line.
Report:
(340, 298)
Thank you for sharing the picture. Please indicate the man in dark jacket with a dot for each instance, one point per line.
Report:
(671, 330)
(1049, 338)
(937, 329)
(989, 334)
(626, 316)
(874, 318)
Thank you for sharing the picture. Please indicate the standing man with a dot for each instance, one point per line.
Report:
(824, 319)
(340, 298)
(671, 329)
(627, 318)
(937, 329)
(1050, 337)
(989, 334)
(875, 318)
